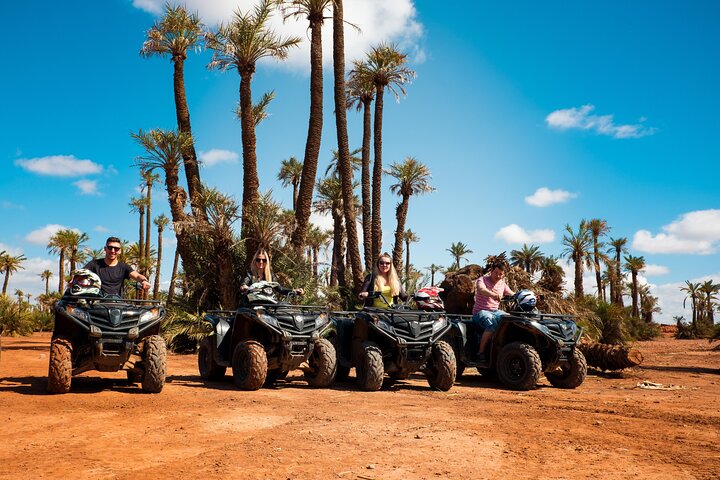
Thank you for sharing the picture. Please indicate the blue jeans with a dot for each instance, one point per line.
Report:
(488, 319)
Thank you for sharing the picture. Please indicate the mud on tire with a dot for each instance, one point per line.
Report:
(155, 361)
(571, 375)
(208, 367)
(441, 367)
(322, 363)
(370, 368)
(249, 365)
(60, 368)
(519, 366)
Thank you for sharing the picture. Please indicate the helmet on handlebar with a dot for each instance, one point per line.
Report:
(526, 300)
(262, 292)
(427, 298)
(84, 282)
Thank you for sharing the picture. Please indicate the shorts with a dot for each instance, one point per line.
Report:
(488, 319)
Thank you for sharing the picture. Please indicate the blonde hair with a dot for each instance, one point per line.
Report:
(393, 279)
(267, 273)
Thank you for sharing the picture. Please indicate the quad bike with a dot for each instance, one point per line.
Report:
(394, 340)
(107, 334)
(264, 339)
(525, 344)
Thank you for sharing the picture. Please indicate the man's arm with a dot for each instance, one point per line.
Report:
(139, 277)
(484, 291)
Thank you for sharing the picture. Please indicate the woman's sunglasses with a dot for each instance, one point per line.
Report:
(260, 260)
(384, 263)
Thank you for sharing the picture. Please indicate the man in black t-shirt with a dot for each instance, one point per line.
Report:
(113, 272)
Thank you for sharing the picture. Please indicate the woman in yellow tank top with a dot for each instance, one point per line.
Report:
(383, 279)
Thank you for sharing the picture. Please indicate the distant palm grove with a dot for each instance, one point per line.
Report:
(217, 237)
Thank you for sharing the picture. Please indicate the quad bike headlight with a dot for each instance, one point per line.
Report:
(439, 324)
(151, 314)
(269, 319)
(321, 320)
(78, 313)
(385, 326)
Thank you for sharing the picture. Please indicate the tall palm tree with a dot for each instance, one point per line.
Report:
(598, 228)
(174, 34)
(528, 258)
(344, 168)
(239, 45)
(634, 265)
(315, 12)
(161, 222)
(433, 270)
(693, 292)
(577, 248)
(317, 239)
(45, 275)
(360, 91)
(648, 303)
(552, 277)
(20, 294)
(458, 251)
(59, 244)
(149, 177)
(413, 178)
(709, 291)
(75, 247)
(386, 65)
(409, 237)
(618, 248)
(139, 205)
(329, 199)
(290, 174)
(8, 265)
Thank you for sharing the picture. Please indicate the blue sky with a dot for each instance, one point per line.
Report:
(530, 115)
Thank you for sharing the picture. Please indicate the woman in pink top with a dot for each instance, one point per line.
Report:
(489, 290)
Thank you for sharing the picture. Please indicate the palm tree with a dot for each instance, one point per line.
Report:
(317, 239)
(290, 174)
(709, 290)
(314, 11)
(173, 277)
(528, 258)
(618, 248)
(386, 66)
(149, 177)
(409, 237)
(344, 168)
(174, 34)
(433, 270)
(75, 247)
(45, 275)
(239, 45)
(59, 245)
(598, 228)
(413, 179)
(138, 205)
(693, 292)
(8, 265)
(161, 222)
(458, 251)
(552, 277)
(360, 93)
(20, 294)
(578, 249)
(648, 303)
(329, 199)
(634, 265)
(266, 223)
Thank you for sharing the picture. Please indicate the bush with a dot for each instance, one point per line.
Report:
(639, 329)
(15, 319)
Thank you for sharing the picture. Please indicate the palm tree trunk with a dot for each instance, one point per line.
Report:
(338, 261)
(365, 182)
(578, 277)
(312, 145)
(173, 276)
(635, 310)
(295, 196)
(618, 279)
(73, 257)
(401, 216)
(407, 264)
(377, 175)
(5, 283)
(47, 286)
(346, 174)
(192, 169)
(251, 184)
(156, 287)
(61, 272)
(148, 221)
(141, 240)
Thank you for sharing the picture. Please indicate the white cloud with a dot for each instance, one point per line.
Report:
(379, 20)
(516, 234)
(655, 270)
(582, 119)
(216, 156)
(670, 299)
(29, 281)
(59, 166)
(695, 232)
(41, 236)
(544, 196)
(10, 250)
(11, 205)
(87, 187)
(101, 229)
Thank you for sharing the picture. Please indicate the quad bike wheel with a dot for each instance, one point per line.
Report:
(322, 364)
(60, 369)
(155, 361)
(249, 365)
(519, 366)
(208, 367)
(441, 367)
(370, 368)
(570, 375)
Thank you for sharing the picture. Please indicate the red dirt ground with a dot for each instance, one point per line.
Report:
(607, 428)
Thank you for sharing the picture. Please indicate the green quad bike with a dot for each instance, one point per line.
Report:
(264, 339)
(525, 345)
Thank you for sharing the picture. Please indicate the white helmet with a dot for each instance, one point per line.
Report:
(526, 300)
(84, 282)
(262, 292)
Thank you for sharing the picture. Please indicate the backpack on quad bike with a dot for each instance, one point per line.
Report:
(525, 344)
(397, 341)
(264, 339)
(105, 333)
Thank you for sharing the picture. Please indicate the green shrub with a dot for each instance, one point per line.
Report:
(639, 329)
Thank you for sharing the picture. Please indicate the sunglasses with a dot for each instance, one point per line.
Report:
(384, 263)
(260, 260)
(114, 249)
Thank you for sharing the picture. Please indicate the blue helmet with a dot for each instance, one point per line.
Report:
(526, 300)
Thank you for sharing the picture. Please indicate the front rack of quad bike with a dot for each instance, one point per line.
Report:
(92, 299)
